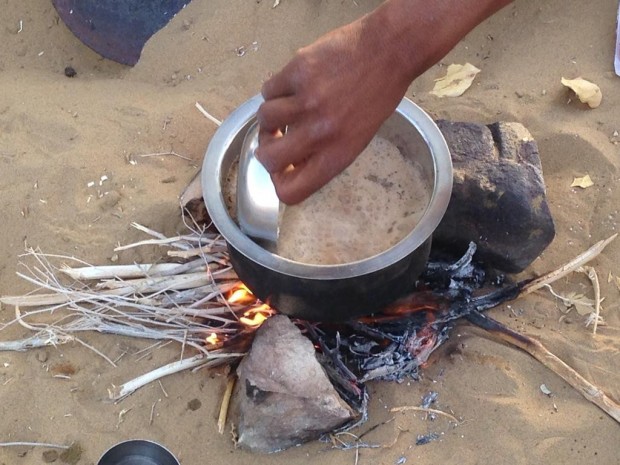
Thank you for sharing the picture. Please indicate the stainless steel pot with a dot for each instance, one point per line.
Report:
(332, 292)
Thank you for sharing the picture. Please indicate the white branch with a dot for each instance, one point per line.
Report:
(120, 392)
(569, 267)
(123, 271)
(33, 444)
(208, 115)
(34, 342)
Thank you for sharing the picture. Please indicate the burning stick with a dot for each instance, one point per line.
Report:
(184, 304)
(537, 350)
(394, 343)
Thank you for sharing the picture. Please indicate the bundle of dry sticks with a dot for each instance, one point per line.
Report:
(197, 300)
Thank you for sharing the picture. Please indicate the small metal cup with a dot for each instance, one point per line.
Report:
(138, 452)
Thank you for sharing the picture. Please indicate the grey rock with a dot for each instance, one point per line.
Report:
(283, 397)
(499, 197)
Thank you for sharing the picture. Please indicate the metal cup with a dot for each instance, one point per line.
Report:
(138, 452)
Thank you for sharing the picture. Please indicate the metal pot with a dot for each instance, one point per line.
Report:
(332, 292)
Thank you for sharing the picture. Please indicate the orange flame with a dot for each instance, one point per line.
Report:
(241, 295)
(213, 339)
(256, 316)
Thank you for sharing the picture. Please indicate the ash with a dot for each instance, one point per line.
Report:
(392, 345)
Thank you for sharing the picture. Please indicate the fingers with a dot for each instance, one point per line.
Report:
(278, 113)
(297, 184)
(293, 187)
(279, 85)
(277, 152)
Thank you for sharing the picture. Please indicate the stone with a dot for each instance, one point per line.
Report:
(283, 397)
(70, 72)
(498, 198)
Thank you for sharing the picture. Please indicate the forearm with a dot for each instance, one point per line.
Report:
(416, 34)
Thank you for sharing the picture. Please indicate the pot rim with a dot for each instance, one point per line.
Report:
(131, 443)
(212, 192)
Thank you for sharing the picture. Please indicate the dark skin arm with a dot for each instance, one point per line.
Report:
(335, 93)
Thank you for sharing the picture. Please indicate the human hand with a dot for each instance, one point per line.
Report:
(332, 97)
(327, 103)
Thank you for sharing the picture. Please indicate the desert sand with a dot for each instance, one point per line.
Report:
(58, 134)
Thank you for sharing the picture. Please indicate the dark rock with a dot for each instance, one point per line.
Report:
(498, 199)
(283, 397)
(70, 72)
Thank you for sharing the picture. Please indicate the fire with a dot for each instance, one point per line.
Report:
(213, 339)
(241, 295)
(256, 316)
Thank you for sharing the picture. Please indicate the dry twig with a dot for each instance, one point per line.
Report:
(33, 444)
(166, 302)
(221, 419)
(407, 408)
(568, 268)
(120, 392)
(208, 115)
(537, 350)
(181, 302)
(593, 277)
(162, 154)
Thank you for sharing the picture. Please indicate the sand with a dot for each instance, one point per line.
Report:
(58, 134)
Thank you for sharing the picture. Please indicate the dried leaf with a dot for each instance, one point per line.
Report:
(582, 304)
(275, 3)
(584, 309)
(618, 282)
(457, 80)
(587, 91)
(583, 182)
